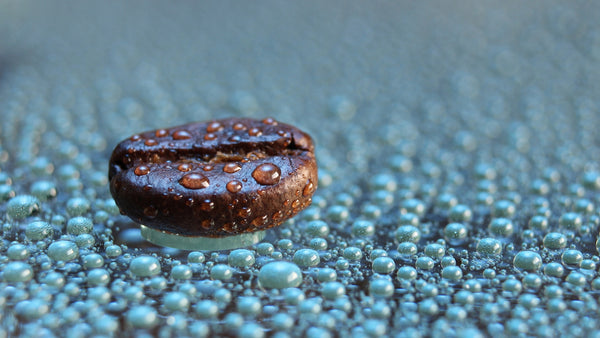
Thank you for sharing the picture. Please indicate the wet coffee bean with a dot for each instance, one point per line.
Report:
(216, 178)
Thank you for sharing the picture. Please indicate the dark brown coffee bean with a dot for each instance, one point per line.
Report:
(216, 178)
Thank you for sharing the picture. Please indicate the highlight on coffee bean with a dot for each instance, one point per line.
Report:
(213, 185)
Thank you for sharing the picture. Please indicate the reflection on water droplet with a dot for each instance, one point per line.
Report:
(267, 174)
(210, 136)
(141, 170)
(135, 138)
(208, 168)
(161, 133)
(194, 181)
(207, 205)
(150, 142)
(181, 135)
(234, 186)
(231, 168)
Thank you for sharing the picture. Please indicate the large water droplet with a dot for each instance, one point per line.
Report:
(267, 174)
(194, 181)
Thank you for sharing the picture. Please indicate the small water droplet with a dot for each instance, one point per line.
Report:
(267, 174)
(194, 181)
(231, 168)
(254, 132)
(206, 224)
(269, 120)
(213, 127)
(150, 142)
(135, 138)
(239, 126)
(296, 204)
(161, 133)
(141, 170)
(235, 138)
(147, 187)
(234, 186)
(278, 215)
(210, 137)
(177, 197)
(181, 135)
(207, 205)
(189, 202)
(245, 212)
(184, 167)
(208, 168)
(309, 188)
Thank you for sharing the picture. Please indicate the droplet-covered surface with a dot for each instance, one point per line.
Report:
(459, 177)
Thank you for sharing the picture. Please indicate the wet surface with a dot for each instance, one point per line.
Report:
(459, 182)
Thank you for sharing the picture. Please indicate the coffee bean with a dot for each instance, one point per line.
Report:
(214, 179)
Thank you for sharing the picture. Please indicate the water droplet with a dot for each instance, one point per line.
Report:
(269, 120)
(181, 135)
(184, 167)
(280, 275)
(141, 170)
(208, 168)
(207, 205)
(254, 132)
(234, 186)
(161, 133)
(210, 136)
(245, 212)
(213, 127)
(267, 174)
(194, 181)
(239, 126)
(309, 188)
(150, 142)
(135, 138)
(231, 168)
